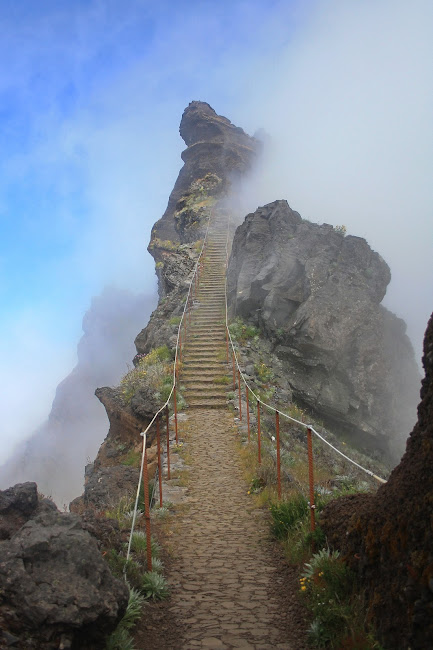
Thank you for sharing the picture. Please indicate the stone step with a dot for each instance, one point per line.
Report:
(204, 375)
(194, 389)
(208, 381)
(198, 366)
(205, 404)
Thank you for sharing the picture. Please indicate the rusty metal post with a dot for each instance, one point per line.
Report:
(227, 343)
(168, 441)
(240, 395)
(147, 511)
(248, 411)
(234, 371)
(277, 429)
(311, 479)
(175, 413)
(158, 444)
(180, 346)
(259, 442)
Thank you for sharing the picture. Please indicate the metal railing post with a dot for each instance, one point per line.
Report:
(175, 413)
(147, 513)
(277, 430)
(248, 411)
(311, 479)
(168, 441)
(240, 396)
(227, 343)
(158, 444)
(259, 442)
(234, 371)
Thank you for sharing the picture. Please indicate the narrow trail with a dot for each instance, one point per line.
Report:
(229, 589)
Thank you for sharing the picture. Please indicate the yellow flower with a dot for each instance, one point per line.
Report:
(303, 588)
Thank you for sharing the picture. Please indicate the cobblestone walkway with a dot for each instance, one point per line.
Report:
(224, 577)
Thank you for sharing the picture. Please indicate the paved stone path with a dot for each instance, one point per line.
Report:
(224, 572)
(227, 585)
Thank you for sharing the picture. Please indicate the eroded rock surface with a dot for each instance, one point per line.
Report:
(55, 587)
(388, 538)
(316, 295)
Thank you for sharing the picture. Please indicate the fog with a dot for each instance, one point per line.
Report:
(56, 453)
(90, 150)
(347, 106)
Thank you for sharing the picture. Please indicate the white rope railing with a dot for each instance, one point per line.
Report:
(167, 401)
(273, 408)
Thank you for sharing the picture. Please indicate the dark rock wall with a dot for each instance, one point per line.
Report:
(316, 294)
(56, 590)
(388, 538)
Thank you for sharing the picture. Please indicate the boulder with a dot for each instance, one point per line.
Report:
(316, 295)
(56, 590)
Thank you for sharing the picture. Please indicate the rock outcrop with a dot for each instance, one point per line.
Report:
(388, 538)
(316, 294)
(54, 456)
(56, 590)
(217, 154)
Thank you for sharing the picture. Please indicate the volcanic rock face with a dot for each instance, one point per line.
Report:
(388, 538)
(55, 588)
(218, 153)
(316, 294)
(55, 455)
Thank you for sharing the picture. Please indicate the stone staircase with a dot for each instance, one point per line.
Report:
(204, 360)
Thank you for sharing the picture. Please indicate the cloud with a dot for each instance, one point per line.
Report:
(348, 105)
(89, 147)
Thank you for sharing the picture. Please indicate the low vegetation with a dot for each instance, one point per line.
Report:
(327, 586)
(153, 371)
(241, 332)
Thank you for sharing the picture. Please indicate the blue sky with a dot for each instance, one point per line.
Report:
(91, 97)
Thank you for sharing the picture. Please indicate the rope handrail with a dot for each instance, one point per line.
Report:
(308, 427)
(167, 401)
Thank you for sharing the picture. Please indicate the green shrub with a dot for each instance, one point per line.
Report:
(151, 371)
(133, 610)
(264, 373)
(286, 514)
(139, 544)
(132, 458)
(241, 332)
(327, 584)
(154, 586)
(120, 639)
(175, 320)
(120, 567)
